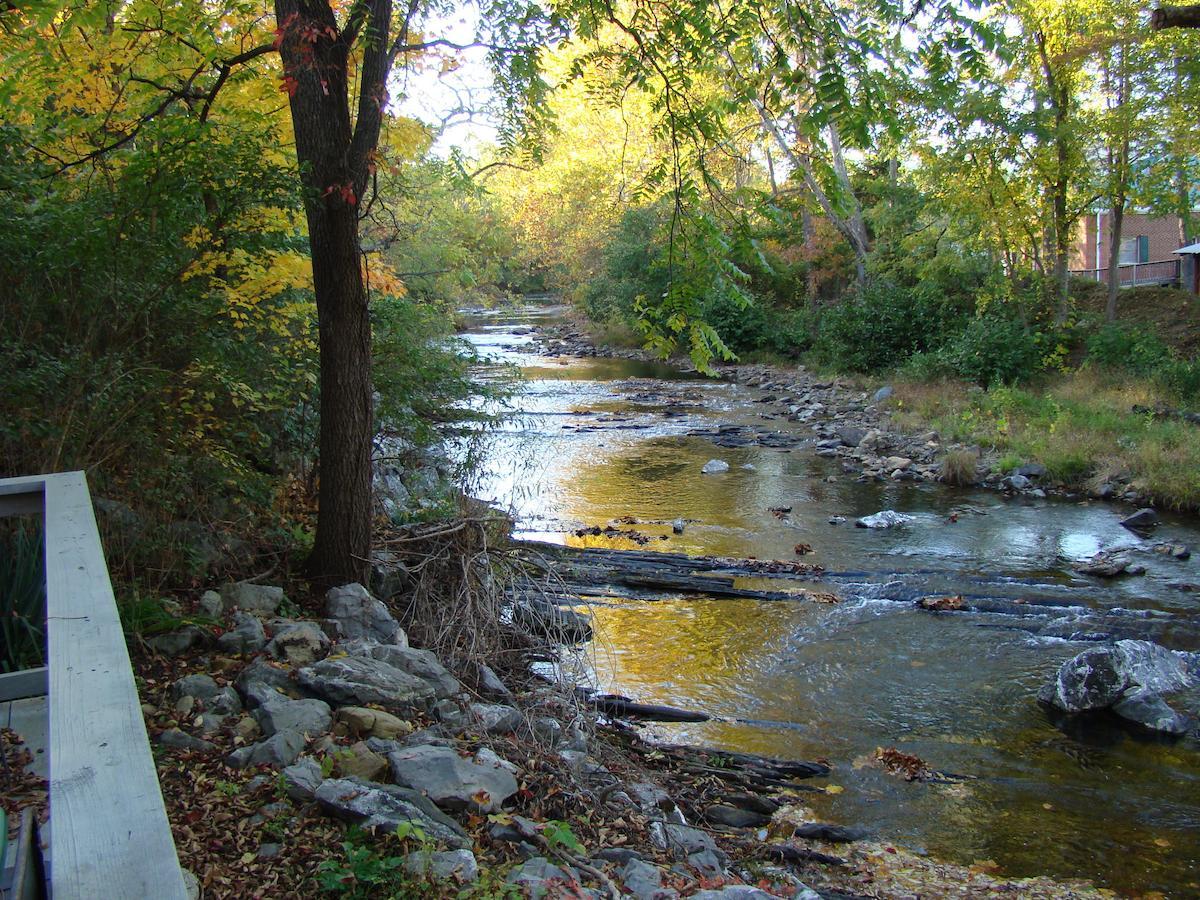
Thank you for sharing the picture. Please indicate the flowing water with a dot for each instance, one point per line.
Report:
(600, 439)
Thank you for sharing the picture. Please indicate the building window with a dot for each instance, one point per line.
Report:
(1135, 250)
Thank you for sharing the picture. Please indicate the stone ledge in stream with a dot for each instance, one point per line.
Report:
(1129, 678)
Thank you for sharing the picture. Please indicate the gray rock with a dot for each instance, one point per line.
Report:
(458, 866)
(1104, 565)
(1128, 678)
(225, 702)
(260, 599)
(181, 740)
(494, 718)
(360, 616)
(619, 855)
(386, 806)
(191, 884)
(1031, 470)
(449, 780)
(277, 751)
(449, 713)
(644, 881)
(490, 684)
(302, 778)
(1141, 520)
(199, 686)
(298, 643)
(1152, 712)
(359, 681)
(211, 604)
(173, 643)
(539, 878)
(882, 394)
(310, 717)
(887, 518)
(265, 673)
(850, 435)
(269, 851)
(421, 664)
(678, 526)
(246, 636)
(548, 731)
(722, 814)
(1016, 483)
(875, 440)
(540, 617)
(714, 467)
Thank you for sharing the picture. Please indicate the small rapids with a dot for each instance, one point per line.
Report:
(605, 440)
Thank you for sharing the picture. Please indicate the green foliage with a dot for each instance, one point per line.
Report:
(1121, 347)
(369, 871)
(1181, 377)
(992, 350)
(880, 326)
(559, 834)
(22, 598)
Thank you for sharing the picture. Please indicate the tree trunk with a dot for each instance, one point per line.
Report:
(332, 156)
(1114, 256)
(343, 542)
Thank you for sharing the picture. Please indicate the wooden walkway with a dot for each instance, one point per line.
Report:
(109, 834)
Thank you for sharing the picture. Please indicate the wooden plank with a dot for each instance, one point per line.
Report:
(26, 683)
(109, 832)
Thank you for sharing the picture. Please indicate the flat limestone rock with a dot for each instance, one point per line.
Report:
(449, 780)
(421, 664)
(360, 681)
(311, 717)
(386, 806)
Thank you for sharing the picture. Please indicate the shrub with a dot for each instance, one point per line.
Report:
(958, 467)
(1122, 347)
(992, 350)
(1181, 377)
(882, 326)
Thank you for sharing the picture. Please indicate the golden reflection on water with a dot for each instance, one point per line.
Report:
(843, 680)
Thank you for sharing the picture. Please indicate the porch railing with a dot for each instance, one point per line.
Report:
(1164, 272)
(109, 834)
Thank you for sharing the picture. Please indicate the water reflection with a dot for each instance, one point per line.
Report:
(839, 681)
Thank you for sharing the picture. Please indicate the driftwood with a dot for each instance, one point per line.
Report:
(566, 574)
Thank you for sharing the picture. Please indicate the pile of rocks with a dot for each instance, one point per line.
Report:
(378, 733)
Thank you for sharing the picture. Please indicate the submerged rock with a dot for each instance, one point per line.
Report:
(1141, 520)
(1128, 678)
(887, 518)
(714, 467)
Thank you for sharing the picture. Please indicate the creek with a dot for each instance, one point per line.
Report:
(600, 439)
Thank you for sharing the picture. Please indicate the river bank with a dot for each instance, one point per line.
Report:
(1084, 436)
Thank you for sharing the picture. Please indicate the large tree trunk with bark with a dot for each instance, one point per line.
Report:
(334, 158)
(343, 542)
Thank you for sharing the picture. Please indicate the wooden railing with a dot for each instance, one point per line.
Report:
(109, 834)
(1163, 271)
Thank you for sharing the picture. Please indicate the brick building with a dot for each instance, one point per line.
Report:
(1148, 248)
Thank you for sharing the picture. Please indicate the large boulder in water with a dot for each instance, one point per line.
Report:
(1128, 678)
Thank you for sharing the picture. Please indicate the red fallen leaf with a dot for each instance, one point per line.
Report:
(891, 849)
